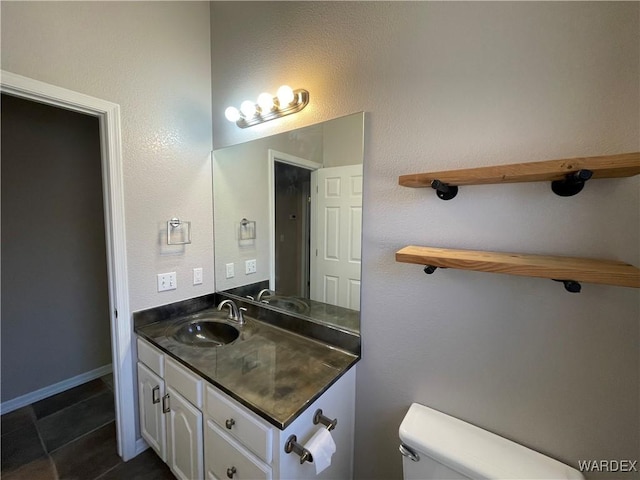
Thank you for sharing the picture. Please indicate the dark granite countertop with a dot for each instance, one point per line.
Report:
(273, 372)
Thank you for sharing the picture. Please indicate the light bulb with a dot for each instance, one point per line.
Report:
(232, 114)
(285, 95)
(248, 109)
(265, 101)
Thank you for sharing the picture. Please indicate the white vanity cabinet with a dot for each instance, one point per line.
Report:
(170, 399)
(184, 421)
(152, 421)
(240, 445)
(207, 434)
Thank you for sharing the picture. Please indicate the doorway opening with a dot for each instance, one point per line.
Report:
(291, 223)
(292, 229)
(120, 322)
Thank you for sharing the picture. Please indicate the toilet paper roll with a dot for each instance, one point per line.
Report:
(322, 447)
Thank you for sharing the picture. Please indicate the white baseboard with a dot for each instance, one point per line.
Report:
(42, 393)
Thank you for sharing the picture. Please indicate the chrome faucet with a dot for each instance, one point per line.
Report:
(235, 313)
(265, 291)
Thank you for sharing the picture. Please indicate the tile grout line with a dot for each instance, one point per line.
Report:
(112, 468)
(73, 404)
(82, 436)
(120, 462)
(48, 455)
(44, 447)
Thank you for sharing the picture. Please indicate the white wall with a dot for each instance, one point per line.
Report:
(153, 59)
(241, 190)
(454, 85)
(342, 142)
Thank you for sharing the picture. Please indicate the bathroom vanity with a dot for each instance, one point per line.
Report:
(247, 409)
(235, 410)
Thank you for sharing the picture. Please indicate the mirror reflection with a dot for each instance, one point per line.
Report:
(288, 221)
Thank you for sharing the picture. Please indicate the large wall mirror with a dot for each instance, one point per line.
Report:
(288, 221)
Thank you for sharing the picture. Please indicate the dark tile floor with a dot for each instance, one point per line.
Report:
(71, 435)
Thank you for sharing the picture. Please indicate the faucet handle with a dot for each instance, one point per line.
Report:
(240, 318)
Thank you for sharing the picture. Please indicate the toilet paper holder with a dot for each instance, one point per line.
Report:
(292, 444)
(318, 417)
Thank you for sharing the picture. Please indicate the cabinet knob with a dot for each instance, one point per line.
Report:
(230, 423)
(231, 472)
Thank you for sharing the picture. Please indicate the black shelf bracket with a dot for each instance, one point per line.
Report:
(570, 286)
(572, 184)
(444, 191)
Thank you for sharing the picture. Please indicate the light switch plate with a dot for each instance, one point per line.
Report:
(197, 276)
(167, 281)
(230, 272)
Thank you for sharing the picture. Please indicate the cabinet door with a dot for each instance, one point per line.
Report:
(184, 437)
(152, 421)
(227, 458)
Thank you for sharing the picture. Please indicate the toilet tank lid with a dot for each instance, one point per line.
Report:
(475, 452)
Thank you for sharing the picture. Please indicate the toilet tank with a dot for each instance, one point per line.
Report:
(448, 448)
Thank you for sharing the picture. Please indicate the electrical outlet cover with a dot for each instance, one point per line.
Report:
(250, 266)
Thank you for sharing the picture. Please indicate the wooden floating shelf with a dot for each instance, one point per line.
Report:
(607, 272)
(606, 166)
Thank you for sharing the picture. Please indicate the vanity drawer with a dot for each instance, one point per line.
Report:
(226, 458)
(151, 357)
(188, 384)
(241, 424)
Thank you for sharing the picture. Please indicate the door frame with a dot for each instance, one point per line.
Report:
(108, 114)
(273, 157)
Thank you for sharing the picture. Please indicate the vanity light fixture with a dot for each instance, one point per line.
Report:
(286, 102)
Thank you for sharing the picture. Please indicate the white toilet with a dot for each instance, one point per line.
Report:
(437, 446)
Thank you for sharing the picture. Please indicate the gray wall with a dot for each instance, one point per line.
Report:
(55, 303)
(454, 85)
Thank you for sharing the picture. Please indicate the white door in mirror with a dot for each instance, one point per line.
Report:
(336, 233)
